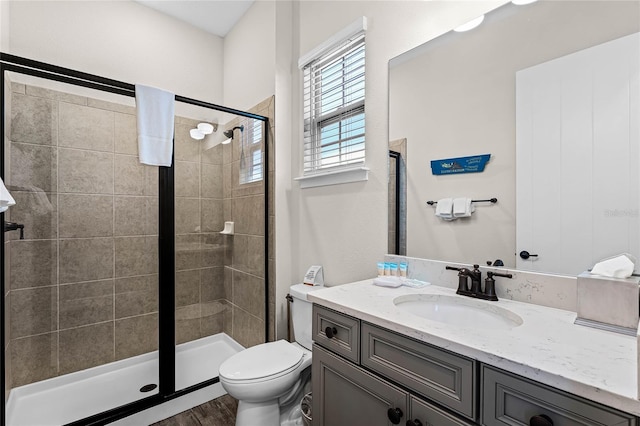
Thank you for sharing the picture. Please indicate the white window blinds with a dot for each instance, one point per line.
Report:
(251, 152)
(334, 108)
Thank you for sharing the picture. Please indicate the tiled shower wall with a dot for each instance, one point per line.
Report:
(245, 261)
(83, 283)
(7, 245)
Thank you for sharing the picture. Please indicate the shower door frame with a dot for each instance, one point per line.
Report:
(166, 237)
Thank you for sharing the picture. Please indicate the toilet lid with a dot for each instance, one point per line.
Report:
(261, 361)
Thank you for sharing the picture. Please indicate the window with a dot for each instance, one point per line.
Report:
(334, 107)
(251, 152)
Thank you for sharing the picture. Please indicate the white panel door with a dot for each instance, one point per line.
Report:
(577, 156)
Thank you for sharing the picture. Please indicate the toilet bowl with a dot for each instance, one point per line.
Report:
(268, 379)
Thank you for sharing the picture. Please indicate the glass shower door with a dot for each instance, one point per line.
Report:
(81, 285)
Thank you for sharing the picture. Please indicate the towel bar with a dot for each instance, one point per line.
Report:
(491, 200)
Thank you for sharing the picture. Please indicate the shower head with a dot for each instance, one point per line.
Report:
(229, 133)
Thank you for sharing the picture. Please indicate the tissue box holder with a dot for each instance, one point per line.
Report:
(608, 303)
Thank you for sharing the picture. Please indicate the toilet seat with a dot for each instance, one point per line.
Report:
(262, 362)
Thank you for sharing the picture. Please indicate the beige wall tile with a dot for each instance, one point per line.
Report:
(33, 167)
(188, 215)
(213, 317)
(211, 181)
(130, 176)
(213, 249)
(188, 252)
(212, 215)
(86, 347)
(212, 284)
(33, 120)
(34, 358)
(34, 311)
(86, 259)
(247, 329)
(136, 216)
(188, 323)
(187, 179)
(126, 134)
(55, 95)
(82, 216)
(136, 256)
(249, 293)
(136, 295)
(86, 303)
(88, 172)
(7, 373)
(248, 215)
(187, 287)
(33, 263)
(37, 211)
(136, 335)
(125, 105)
(213, 155)
(248, 254)
(186, 148)
(85, 127)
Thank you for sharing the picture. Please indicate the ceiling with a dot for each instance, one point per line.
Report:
(213, 16)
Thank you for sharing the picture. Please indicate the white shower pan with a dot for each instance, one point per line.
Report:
(74, 396)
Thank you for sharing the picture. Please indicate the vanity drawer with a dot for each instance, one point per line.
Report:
(337, 332)
(439, 375)
(430, 415)
(512, 400)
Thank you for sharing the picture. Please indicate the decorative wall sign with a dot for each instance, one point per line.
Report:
(474, 164)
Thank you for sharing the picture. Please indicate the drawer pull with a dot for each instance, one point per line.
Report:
(415, 422)
(330, 332)
(395, 415)
(540, 420)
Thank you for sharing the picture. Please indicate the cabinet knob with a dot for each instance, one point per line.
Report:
(415, 422)
(395, 415)
(540, 420)
(330, 332)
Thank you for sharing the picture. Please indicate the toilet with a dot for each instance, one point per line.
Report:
(270, 379)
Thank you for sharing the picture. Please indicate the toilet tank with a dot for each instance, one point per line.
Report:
(301, 315)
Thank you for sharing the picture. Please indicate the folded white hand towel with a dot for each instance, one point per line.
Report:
(444, 209)
(462, 207)
(6, 200)
(155, 114)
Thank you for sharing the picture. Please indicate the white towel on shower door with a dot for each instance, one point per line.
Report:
(6, 200)
(155, 114)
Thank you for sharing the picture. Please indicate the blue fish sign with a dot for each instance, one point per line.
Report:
(448, 166)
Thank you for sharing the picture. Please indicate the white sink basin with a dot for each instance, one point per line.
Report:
(460, 311)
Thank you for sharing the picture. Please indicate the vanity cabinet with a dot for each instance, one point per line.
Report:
(363, 374)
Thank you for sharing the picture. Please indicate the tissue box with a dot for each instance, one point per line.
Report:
(609, 303)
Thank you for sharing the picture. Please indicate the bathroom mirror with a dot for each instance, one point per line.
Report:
(455, 96)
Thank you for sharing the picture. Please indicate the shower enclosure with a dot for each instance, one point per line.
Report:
(120, 292)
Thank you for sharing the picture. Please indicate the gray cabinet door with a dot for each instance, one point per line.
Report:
(508, 399)
(344, 394)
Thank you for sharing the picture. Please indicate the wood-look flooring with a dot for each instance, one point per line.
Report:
(218, 412)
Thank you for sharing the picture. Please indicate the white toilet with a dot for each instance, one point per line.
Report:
(270, 379)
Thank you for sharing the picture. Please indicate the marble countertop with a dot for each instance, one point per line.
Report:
(598, 365)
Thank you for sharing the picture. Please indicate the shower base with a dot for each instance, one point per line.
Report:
(74, 396)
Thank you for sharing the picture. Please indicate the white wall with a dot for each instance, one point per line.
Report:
(121, 40)
(4, 26)
(249, 57)
(344, 227)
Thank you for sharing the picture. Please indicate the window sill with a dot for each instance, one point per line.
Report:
(356, 174)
